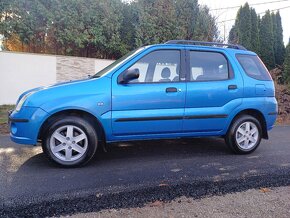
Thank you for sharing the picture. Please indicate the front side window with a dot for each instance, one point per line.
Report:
(158, 66)
(253, 67)
(208, 66)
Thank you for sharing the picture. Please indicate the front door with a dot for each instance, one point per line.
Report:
(154, 103)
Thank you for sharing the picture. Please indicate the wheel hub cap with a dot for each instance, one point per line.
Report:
(247, 135)
(68, 143)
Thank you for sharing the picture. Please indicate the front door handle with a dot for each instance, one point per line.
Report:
(232, 87)
(171, 89)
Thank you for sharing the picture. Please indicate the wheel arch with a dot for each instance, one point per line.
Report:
(74, 112)
(258, 115)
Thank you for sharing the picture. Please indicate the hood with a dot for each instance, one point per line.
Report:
(66, 91)
(46, 87)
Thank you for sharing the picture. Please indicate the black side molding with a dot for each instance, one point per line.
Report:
(148, 118)
(171, 118)
(273, 113)
(207, 116)
(18, 120)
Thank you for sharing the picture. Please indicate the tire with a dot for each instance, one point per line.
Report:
(70, 141)
(244, 135)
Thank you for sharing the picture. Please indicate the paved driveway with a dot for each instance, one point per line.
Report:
(131, 174)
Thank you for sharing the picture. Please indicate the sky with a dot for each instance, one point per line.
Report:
(228, 14)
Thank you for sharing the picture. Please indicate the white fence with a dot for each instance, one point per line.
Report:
(22, 71)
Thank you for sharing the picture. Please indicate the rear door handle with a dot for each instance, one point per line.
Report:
(232, 87)
(171, 89)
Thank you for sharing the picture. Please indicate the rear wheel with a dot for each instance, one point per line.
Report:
(71, 141)
(244, 135)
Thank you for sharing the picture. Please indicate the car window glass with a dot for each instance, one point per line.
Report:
(161, 67)
(208, 66)
(158, 66)
(196, 71)
(142, 69)
(253, 67)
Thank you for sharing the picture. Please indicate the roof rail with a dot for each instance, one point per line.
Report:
(214, 44)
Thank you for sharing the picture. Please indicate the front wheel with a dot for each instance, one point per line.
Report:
(244, 135)
(70, 141)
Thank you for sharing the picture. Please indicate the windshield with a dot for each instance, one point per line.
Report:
(117, 63)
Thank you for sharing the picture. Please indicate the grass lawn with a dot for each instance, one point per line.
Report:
(3, 112)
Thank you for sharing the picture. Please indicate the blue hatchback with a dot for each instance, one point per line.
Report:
(172, 90)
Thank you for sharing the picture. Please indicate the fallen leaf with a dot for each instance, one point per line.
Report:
(163, 184)
(264, 190)
(156, 204)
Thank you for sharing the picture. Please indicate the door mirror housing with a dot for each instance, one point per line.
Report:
(128, 75)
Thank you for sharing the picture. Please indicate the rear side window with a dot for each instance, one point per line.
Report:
(208, 66)
(253, 67)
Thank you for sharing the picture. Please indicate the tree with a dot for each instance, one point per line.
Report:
(102, 28)
(130, 21)
(279, 48)
(246, 29)
(255, 39)
(5, 16)
(206, 29)
(275, 42)
(286, 73)
(157, 21)
(233, 35)
(187, 12)
(28, 20)
(111, 18)
(244, 23)
(14, 44)
(267, 40)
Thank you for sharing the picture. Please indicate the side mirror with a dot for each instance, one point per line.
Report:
(128, 75)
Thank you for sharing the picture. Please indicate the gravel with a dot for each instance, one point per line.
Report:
(252, 203)
(142, 197)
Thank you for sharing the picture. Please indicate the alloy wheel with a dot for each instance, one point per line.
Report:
(247, 135)
(68, 143)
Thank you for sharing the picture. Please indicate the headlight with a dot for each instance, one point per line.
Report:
(22, 100)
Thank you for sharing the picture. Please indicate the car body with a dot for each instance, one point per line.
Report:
(172, 90)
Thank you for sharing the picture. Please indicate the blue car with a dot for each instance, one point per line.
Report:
(173, 90)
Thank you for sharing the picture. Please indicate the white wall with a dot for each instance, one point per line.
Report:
(101, 64)
(22, 71)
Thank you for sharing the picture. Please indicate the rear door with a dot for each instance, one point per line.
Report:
(154, 103)
(213, 91)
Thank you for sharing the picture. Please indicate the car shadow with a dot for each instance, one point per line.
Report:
(145, 150)
(164, 148)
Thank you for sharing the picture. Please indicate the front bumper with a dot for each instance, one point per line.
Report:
(25, 124)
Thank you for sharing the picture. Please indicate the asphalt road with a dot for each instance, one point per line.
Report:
(134, 173)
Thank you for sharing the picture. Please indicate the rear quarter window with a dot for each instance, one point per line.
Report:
(253, 67)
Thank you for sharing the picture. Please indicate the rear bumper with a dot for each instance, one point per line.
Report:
(24, 125)
(271, 112)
